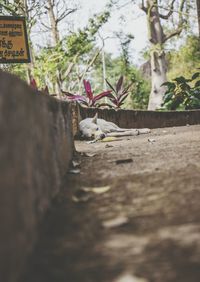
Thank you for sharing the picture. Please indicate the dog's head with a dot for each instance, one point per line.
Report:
(90, 129)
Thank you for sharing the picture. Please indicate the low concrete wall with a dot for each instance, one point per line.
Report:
(36, 146)
(141, 119)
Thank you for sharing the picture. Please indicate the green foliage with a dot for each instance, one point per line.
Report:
(140, 91)
(96, 22)
(72, 49)
(186, 60)
(182, 94)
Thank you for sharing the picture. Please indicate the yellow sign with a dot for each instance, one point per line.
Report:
(13, 40)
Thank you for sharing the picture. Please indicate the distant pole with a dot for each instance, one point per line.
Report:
(103, 61)
(104, 68)
(198, 14)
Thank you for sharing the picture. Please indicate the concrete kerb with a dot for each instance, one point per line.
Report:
(141, 119)
(36, 147)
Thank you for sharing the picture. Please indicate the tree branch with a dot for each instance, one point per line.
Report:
(180, 27)
(173, 33)
(70, 67)
(65, 14)
(143, 7)
(171, 8)
(9, 9)
(90, 64)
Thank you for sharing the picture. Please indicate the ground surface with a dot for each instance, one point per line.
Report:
(145, 228)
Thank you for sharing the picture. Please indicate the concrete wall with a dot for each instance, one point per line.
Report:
(36, 146)
(140, 119)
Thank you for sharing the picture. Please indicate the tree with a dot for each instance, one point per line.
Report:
(158, 38)
(57, 11)
(73, 56)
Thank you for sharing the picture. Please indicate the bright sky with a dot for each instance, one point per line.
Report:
(135, 23)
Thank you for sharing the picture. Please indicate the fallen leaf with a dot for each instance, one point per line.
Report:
(115, 222)
(130, 278)
(88, 154)
(109, 146)
(97, 190)
(76, 163)
(123, 161)
(91, 142)
(151, 140)
(74, 171)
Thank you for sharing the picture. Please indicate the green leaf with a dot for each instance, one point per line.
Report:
(119, 83)
(197, 84)
(168, 97)
(180, 79)
(171, 86)
(110, 85)
(195, 75)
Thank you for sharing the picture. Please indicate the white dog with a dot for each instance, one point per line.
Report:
(97, 128)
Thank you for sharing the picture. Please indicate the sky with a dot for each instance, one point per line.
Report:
(135, 23)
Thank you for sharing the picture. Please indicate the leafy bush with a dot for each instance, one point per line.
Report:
(186, 59)
(90, 100)
(182, 94)
(120, 93)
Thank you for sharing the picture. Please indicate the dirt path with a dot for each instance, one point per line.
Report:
(145, 228)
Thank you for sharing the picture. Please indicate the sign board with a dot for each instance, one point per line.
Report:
(13, 40)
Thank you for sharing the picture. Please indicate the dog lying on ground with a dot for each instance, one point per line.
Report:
(97, 129)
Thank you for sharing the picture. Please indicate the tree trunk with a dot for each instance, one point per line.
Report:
(158, 61)
(157, 38)
(55, 40)
(53, 23)
(158, 77)
(31, 65)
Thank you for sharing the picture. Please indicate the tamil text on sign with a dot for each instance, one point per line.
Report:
(13, 40)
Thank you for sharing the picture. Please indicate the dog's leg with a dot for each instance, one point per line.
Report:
(133, 132)
(130, 132)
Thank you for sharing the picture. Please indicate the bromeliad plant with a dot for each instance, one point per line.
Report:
(120, 93)
(182, 94)
(90, 100)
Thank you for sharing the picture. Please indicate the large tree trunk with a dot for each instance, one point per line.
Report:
(157, 38)
(158, 77)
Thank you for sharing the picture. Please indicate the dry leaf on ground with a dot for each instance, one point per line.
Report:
(97, 190)
(115, 222)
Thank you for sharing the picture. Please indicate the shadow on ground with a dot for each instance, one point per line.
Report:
(145, 228)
